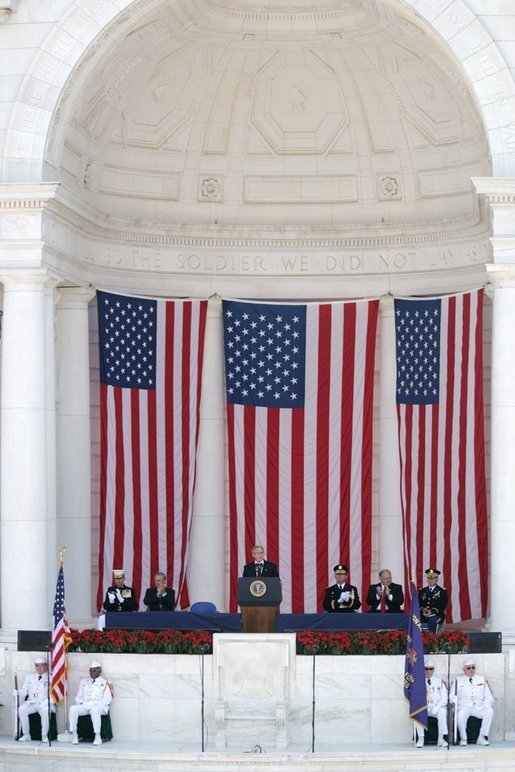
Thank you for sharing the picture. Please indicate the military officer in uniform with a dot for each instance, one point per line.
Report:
(437, 698)
(341, 596)
(93, 697)
(472, 696)
(120, 597)
(33, 696)
(160, 597)
(433, 601)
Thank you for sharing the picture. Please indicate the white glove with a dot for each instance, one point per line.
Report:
(344, 596)
(111, 597)
(119, 596)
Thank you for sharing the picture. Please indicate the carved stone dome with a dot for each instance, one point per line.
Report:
(251, 118)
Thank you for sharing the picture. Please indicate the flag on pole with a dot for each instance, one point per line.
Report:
(60, 639)
(414, 675)
(151, 354)
(442, 448)
(299, 387)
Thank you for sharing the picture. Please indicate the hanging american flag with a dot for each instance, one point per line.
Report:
(60, 639)
(441, 442)
(151, 354)
(299, 382)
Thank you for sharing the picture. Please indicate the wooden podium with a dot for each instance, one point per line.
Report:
(259, 600)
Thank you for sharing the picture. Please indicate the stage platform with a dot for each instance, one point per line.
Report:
(181, 757)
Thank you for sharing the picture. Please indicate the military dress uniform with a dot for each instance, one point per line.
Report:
(94, 698)
(473, 697)
(33, 697)
(434, 599)
(120, 598)
(341, 597)
(437, 699)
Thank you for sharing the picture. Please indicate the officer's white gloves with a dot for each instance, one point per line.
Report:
(344, 596)
(111, 597)
(119, 596)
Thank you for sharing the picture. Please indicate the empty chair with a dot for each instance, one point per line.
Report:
(203, 607)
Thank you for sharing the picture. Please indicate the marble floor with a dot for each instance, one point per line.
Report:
(183, 757)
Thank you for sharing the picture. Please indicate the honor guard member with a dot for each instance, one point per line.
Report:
(433, 601)
(341, 596)
(93, 697)
(160, 597)
(437, 699)
(386, 597)
(472, 696)
(120, 597)
(33, 696)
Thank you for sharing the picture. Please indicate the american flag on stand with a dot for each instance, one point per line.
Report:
(151, 354)
(299, 382)
(60, 639)
(442, 449)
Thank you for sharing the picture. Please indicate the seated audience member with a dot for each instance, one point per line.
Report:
(433, 601)
(259, 566)
(386, 597)
(472, 696)
(94, 698)
(120, 597)
(160, 597)
(341, 597)
(33, 697)
(436, 696)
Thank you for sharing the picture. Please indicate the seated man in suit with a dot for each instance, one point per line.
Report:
(341, 596)
(385, 597)
(259, 566)
(160, 597)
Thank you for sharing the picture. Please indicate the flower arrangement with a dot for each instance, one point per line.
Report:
(194, 642)
(378, 642)
(141, 641)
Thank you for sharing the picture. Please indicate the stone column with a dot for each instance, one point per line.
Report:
(390, 548)
(73, 450)
(26, 523)
(500, 195)
(207, 532)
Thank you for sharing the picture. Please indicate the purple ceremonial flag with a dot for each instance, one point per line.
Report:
(414, 675)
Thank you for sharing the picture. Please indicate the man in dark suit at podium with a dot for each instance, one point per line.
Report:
(259, 566)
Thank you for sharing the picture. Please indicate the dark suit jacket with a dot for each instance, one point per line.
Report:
(393, 606)
(269, 569)
(331, 595)
(164, 603)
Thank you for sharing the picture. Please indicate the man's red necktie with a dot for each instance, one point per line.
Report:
(382, 607)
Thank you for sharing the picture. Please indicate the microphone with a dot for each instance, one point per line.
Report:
(315, 648)
(204, 648)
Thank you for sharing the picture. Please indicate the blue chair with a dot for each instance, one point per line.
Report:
(203, 607)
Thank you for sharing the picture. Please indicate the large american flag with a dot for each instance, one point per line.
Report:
(442, 449)
(299, 382)
(151, 355)
(60, 639)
